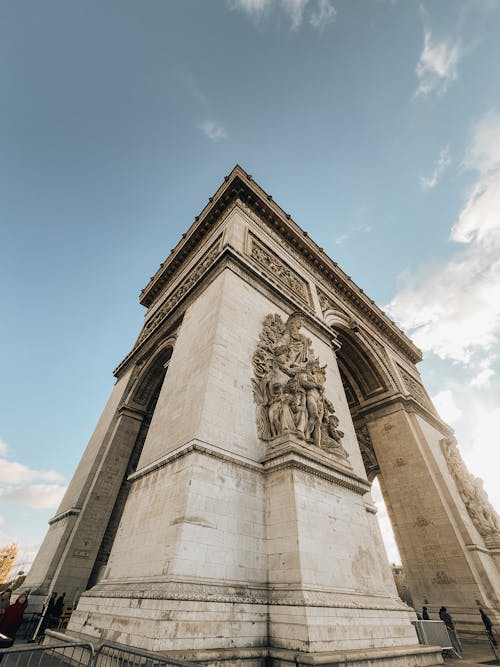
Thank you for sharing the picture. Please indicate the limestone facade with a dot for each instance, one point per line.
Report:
(222, 509)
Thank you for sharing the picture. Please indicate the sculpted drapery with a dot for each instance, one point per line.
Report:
(289, 387)
(470, 488)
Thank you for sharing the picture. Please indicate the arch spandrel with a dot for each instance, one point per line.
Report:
(150, 374)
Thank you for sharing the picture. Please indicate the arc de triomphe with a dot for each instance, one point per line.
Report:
(222, 509)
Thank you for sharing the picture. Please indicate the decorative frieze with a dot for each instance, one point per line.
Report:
(206, 261)
(414, 388)
(274, 266)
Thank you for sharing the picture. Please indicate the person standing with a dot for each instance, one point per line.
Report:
(13, 617)
(5, 600)
(489, 627)
(425, 614)
(58, 607)
(450, 626)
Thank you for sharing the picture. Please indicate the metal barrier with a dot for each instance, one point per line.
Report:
(435, 633)
(72, 654)
(82, 654)
(110, 654)
(28, 626)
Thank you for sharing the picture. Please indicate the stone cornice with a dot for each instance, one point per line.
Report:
(242, 593)
(192, 447)
(288, 452)
(72, 511)
(227, 258)
(397, 402)
(240, 185)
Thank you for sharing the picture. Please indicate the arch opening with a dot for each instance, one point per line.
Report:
(145, 393)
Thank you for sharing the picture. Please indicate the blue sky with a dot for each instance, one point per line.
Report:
(375, 124)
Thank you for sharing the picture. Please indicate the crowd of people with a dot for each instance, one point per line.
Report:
(12, 615)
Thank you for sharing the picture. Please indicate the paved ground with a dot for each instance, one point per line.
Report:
(475, 653)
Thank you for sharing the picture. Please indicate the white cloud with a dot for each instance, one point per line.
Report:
(212, 131)
(319, 12)
(437, 65)
(16, 473)
(294, 9)
(443, 162)
(36, 496)
(324, 13)
(453, 309)
(354, 230)
(446, 406)
(25, 557)
(252, 7)
(16, 485)
(483, 378)
(3, 447)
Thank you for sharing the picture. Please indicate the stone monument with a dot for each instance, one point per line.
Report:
(221, 512)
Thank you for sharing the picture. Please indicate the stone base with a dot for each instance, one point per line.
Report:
(262, 656)
(402, 656)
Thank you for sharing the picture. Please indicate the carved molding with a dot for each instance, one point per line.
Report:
(194, 447)
(189, 281)
(277, 268)
(289, 387)
(470, 488)
(367, 452)
(73, 511)
(239, 593)
(289, 452)
(415, 388)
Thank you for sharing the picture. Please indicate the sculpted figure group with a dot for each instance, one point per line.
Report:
(289, 387)
(471, 491)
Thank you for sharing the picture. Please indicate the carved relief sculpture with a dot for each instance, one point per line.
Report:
(470, 487)
(289, 387)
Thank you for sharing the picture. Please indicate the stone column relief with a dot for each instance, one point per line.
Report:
(289, 388)
(470, 488)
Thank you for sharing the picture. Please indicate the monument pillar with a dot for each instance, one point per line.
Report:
(445, 528)
(235, 522)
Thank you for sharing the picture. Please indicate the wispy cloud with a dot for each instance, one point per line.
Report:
(442, 163)
(317, 13)
(21, 485)
(35, 496)
(323, 14)
(453, 309)
(17, 473)
(437, 65)
(354, 230)
(212, 130)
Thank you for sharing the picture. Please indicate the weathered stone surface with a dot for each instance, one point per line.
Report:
(225, 484)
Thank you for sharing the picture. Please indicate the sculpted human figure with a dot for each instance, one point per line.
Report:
(280, 411)
(471, 491)
(289, 387)
(299, 407)
(293, 348)
(275, 407)
(311, 379)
